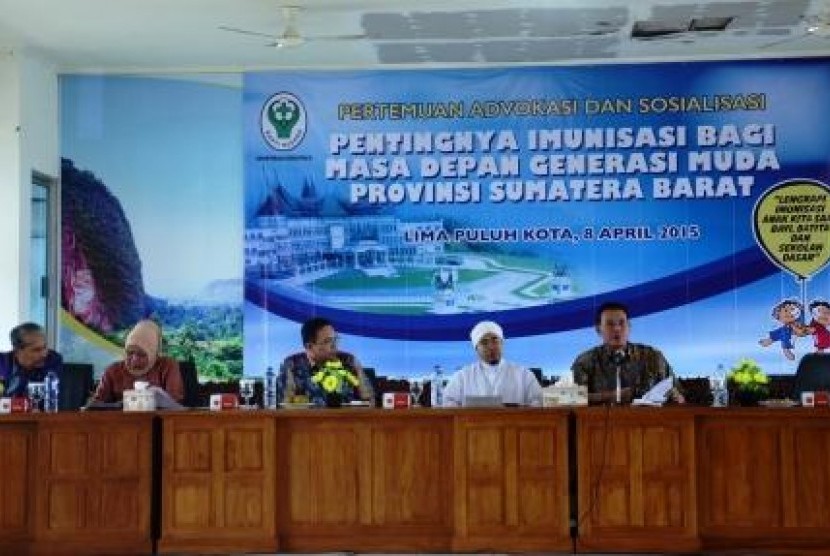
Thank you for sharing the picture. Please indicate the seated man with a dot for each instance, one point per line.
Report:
(142, 362)
(320, 342)
(640, 366)
(492, 375)
(28, 361)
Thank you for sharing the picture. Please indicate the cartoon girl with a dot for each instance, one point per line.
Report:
(820, 325)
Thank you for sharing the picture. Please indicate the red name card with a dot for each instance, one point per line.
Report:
(21, 404)
(219, 402)
(396, 400)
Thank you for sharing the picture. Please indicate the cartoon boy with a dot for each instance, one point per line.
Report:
(820, 325)
(788, 313)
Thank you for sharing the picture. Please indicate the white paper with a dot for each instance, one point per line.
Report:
(163, 399)
(658, 394)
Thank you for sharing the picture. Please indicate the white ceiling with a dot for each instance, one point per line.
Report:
(151, 36)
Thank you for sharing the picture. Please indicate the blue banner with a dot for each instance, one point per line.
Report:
(408, 205)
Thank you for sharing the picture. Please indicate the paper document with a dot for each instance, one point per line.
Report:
(163, 399)
(658, 394)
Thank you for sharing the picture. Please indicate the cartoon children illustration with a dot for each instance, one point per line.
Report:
(819, 327)
(788, 313)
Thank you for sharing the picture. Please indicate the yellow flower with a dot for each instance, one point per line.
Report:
(747, 375)
(332, 375)
(330, 383)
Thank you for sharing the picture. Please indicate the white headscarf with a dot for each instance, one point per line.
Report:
(145, 335)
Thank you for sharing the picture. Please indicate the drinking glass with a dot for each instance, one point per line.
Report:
(415, 388)
(246, 390)
(36, 393)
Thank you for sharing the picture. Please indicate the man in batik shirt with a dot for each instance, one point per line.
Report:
(320, 342)
(640, 366)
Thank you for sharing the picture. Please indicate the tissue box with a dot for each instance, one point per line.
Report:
(572, 394)
(219, 402)
(139, 400)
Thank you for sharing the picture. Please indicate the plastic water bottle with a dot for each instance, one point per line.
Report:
(270, 394)
(437, 387)
(51, 395)
(720, 393)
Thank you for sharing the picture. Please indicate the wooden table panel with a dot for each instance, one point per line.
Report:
(93, 483)
(17, 452)
(511, 480)
(810, 465)
(636, 477)
(218, 482)
(406, 460)
(764, 479)
(367, 480)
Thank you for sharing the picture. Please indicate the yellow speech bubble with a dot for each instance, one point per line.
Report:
(792, 225)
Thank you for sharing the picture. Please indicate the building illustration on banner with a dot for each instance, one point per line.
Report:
(359, 257)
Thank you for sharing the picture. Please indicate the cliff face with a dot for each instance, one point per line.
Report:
(101, 279)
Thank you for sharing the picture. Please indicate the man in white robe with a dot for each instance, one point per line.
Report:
(492, 375)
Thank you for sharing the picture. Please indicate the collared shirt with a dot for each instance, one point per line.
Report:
(16, 380)
(514, 383)
(641, 367)
(295, 379)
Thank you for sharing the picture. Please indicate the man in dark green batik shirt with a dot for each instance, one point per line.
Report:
(640, 366)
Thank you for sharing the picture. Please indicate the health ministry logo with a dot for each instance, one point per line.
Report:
(283, 121)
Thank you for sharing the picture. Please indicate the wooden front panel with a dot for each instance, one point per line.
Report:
(636, 480)
(324, 474)
(411, 474)
(367, 481)
(94, 483)
(16, 489)
(218, 482)
(740, 462)
(766, 479)
(511, 488)
(807, 504)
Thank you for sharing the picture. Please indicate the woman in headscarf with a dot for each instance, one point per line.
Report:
(142, 362)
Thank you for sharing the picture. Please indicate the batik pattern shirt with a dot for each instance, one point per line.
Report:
(641, 367)
(296, 372)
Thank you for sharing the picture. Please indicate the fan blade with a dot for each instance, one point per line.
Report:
(782, 41)
(355, 37)
(245, 32)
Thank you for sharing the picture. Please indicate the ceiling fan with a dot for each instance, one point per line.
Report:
(817, 25)
(291, 36)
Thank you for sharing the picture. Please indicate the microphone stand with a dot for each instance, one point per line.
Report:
(618, 359)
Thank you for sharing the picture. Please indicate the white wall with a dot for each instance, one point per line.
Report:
(28, 142)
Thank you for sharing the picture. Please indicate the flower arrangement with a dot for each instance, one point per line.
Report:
(750, 383)
(333, 376)
(747, 375)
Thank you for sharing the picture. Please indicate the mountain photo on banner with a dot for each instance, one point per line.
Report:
(148, 221)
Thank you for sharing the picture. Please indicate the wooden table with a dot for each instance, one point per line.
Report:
(670, 479)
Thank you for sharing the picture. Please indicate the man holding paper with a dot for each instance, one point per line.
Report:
(619, 371)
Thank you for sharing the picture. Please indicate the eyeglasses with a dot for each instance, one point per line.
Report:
(134, 353)
(328, 341)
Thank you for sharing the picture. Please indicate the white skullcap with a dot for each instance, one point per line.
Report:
(485, 327)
